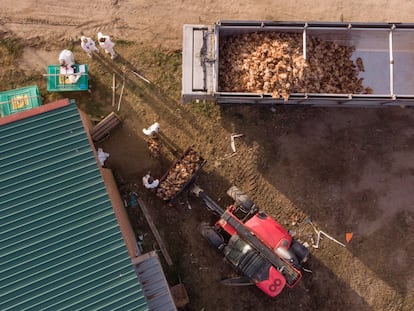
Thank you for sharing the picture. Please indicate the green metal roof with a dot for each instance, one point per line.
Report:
(60, 243)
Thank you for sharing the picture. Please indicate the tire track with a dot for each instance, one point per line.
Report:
(151, 98)
(265, 195)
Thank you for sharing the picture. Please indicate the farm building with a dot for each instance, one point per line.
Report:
(66, 242)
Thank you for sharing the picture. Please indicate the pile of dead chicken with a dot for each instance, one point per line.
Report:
(270, 62)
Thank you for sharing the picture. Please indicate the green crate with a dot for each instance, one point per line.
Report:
(17, 100)
(57, 82)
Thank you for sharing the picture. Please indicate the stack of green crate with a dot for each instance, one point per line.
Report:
(17, 100)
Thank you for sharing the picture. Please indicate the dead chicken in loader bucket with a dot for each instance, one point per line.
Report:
(153, 140)
(154, 147)
(179, 175)
(270, 62)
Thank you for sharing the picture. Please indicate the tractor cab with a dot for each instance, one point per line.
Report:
(250, 263)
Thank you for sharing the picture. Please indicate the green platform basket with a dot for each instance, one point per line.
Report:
(57, 82)
(17, 100)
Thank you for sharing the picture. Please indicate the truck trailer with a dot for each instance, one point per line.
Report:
(310, 63)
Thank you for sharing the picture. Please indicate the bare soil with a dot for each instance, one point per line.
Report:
(349, 170)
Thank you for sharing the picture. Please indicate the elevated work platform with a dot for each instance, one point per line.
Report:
(57, 82)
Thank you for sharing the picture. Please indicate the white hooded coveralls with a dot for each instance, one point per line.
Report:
(66, 61)
(106, 44)
(88, 46)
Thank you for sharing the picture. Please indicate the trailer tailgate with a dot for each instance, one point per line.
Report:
(198, 62)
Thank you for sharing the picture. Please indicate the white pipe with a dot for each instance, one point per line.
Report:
(328, 236)
(391, 61)
(304, 40)
(141, 77)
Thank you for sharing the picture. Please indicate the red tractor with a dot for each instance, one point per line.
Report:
(259, 248)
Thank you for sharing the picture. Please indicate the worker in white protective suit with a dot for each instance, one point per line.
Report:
(149, 182)
(106, 43)
(66, 61)
(102, 156)
(88, 45)
(152, 130)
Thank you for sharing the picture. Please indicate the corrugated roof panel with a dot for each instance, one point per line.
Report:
(154, 284)
(41, 245)
(17, 229)
(32, 158)
(60, 244)
(41, 171)
(87, 190)
(60, 276)
(38, 263)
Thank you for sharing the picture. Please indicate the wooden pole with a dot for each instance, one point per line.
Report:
(113, 89)
(155, 232)
(122, 91)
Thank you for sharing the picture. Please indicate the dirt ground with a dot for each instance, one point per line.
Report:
(349, 170)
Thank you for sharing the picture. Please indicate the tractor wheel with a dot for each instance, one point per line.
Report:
(300, 250)
(241, 199)
(212, 236)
